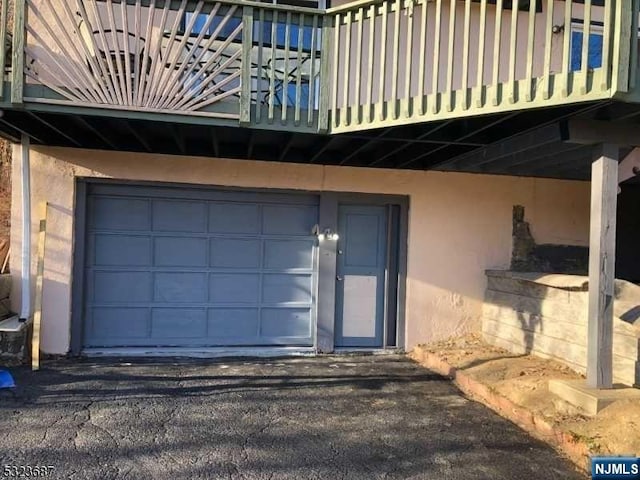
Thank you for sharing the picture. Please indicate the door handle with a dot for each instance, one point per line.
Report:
(339, 278)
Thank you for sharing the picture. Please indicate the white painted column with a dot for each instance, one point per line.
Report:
(25, 306)
(602, 244)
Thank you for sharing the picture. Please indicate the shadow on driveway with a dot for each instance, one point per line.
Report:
(352, 417)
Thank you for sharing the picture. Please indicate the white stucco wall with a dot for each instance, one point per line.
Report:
(459, 224)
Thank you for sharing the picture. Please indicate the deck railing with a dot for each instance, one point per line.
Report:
(401, 61)
(368, 64)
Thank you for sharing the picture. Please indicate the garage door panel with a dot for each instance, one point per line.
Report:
(119, 322)
(234, 323)
(235, 288)
(167, 323)
(235, 253)
(288, 254)
(121, 250)
(285, 322)
(121, 287)
(206, 268)
(179, 216)
(288, 219)
(180, 252)
(234, 218)
(119, 214)
(286, 288)
(180, 287)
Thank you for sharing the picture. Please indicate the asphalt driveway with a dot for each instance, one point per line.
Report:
(363, 417)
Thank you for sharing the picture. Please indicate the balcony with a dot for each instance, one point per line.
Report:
(360, 66)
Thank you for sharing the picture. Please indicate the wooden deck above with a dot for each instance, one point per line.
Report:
(364, 65)
(420, 84)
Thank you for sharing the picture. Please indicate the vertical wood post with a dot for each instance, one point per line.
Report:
(17, 61)
(326, 73)
(245, 65)
(602, 243)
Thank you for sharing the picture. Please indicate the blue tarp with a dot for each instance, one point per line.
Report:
(6, 380)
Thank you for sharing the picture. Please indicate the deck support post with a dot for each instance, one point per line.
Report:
(604, 193)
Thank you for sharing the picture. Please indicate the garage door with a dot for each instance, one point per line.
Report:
(191, 268)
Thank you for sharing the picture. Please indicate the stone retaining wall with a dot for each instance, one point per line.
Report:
(546, 315)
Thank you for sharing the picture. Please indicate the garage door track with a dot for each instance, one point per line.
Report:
(353, 417)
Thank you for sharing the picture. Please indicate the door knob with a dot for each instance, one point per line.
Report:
(339, 278)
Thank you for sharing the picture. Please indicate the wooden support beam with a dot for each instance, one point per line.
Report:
(37, 311)
(602, 243)
(592, 132)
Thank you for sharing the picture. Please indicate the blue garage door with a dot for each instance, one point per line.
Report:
(195, 268)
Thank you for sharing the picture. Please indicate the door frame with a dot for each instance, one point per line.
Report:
(324, 322)
(327, 268)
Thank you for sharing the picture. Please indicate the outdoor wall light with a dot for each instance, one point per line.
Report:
(557, 29)
(327, 234)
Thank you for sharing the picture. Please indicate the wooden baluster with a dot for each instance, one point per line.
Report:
(435, 107)
(451, 55)
(259, 68)
(299, 67)
(383, 61)
(424, 7)
(336, 68)
(245, 65)
(513, 47)
(311, 104)
(584, 61)
(495, 82)
(566, 49)
(346, 74)
(531, 36)
(479, 97)
(606, 47)
(548, 39)
(127, 58)
(395, 72)
(272, 79)
(372, 35)
(285, 86)
(326, 50)
(358, 73)
(408, 66)
(465, 55)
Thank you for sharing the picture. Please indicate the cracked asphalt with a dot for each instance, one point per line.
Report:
(350, 417)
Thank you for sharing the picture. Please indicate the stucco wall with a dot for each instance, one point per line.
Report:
(459, 224)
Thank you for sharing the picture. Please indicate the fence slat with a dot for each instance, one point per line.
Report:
(531, 36)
